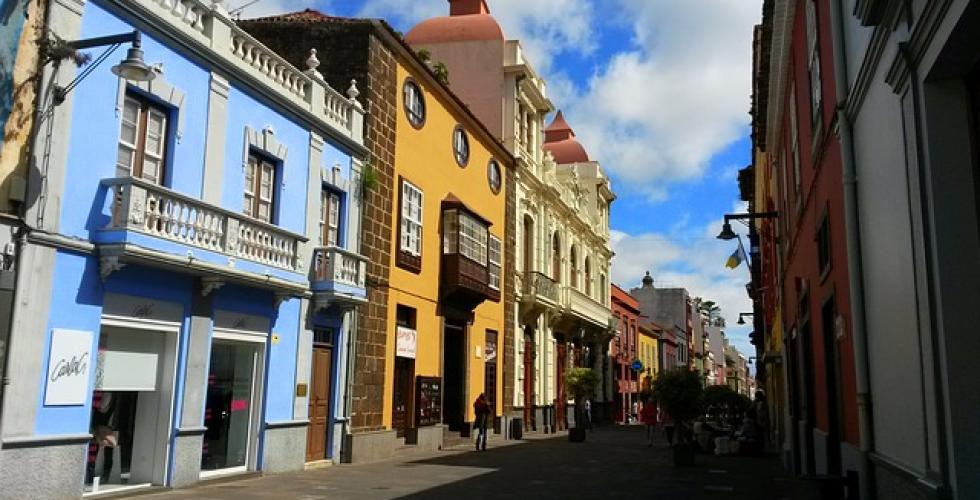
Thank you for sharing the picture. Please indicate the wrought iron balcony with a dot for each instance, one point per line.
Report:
(156, 211)
(339, 277)
(538, 293)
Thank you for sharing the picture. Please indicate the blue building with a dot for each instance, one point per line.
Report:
(187, 280)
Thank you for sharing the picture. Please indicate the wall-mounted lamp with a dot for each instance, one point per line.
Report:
(726, 228)
(131, 68)
(741, 318)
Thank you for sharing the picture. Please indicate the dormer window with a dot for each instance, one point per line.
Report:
(414, 103)
(461, 146)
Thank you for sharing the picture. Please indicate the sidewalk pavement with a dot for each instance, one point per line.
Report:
(614, 462)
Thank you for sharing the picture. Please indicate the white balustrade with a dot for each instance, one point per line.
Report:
(269, 64)
(154, 210)
(586, 306)
(337, 108)
(340, 266)
(189, 12)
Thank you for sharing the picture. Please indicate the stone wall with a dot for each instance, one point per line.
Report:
(510, 286)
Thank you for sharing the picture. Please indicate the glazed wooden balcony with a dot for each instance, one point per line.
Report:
(153, 210)
(339, 277)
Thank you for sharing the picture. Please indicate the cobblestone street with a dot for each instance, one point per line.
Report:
(613, 463)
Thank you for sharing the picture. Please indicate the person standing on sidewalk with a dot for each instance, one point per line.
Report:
(482, 411)
(588, 414)
(648, 415)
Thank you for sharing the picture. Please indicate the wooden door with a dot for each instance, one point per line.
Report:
(319, 411)
(403, 398)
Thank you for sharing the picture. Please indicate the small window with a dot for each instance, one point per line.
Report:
(260, 192)
(142, 148)
(823, 246)
(329, 217)
(410, 228)
(461, 146)
(414, 103)
(493, 176)
(493, 269)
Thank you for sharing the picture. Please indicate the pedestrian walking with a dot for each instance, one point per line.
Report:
(648, 415)
(588, 414)
(482, 411)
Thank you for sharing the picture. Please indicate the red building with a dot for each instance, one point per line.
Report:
(623, 350)
(803, 274)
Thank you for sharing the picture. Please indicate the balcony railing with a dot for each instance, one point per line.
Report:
(156, 211)
(340, 266)
(539, 286)
(587, 307)
(208, 25)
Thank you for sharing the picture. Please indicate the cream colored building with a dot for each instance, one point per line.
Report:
(558, 213)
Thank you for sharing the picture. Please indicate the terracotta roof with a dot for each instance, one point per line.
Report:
(307, 15)
(560, 141)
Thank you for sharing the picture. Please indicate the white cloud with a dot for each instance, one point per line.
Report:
(660, 111)
(694, 260)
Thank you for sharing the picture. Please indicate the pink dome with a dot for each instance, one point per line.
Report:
(468, 21)
(559, 139)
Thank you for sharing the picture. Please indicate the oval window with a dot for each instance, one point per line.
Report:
(493, 176)
(414, 103)
(461, 146)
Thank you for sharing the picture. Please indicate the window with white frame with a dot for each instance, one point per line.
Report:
(414, 103)
(472, 239)
(411, 220)
(329, 217)
(259, 190)
(461, 146)
(813, 60)
(493, 269)
(142, 140)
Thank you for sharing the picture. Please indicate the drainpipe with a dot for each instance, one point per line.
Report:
(854, 259)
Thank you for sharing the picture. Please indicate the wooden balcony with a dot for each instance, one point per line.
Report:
(338, 277)
(465, 281)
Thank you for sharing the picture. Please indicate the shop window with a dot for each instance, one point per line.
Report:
(142, 150)
(414, 103)
(260, 188)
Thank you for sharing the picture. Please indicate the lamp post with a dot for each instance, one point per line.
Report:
(741, 318)
(131, 68)
(726, 228)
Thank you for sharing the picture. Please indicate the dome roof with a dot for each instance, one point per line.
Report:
(559, 139)
(468, 21)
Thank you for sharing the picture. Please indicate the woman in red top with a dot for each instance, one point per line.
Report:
(648, 415)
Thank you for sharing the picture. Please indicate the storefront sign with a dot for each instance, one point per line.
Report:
(69, 362)
(407, 339)
(491, 351)
(131, 307)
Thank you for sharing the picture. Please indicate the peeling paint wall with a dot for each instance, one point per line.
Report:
(19, 21)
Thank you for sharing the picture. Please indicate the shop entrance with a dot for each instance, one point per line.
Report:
(132, 406)
(320, 396)
(454, 375)
(231, 406)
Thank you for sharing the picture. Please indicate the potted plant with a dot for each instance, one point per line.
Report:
(678, 392)
(580, 383)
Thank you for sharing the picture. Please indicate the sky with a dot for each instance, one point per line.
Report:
(658, 91)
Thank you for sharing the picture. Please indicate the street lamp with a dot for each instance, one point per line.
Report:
(132, 68)
(741, 318)
(726, 228)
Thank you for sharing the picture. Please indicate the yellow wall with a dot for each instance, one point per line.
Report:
(425, 158)
(648, 353)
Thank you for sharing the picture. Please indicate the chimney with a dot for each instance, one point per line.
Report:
(468, 7)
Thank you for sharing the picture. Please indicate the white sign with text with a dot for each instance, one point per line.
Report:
(69, 362)
(406, 341)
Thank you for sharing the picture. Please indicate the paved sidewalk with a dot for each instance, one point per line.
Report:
(614, 462)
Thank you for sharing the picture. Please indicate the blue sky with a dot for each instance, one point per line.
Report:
(658, 92)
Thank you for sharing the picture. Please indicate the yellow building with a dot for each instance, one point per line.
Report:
(446, 314)
(647, 352)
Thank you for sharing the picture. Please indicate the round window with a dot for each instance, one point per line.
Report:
(461, 146)
(414, 103)
(493, 176)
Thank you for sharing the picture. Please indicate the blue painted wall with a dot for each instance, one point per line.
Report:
(94, 133)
